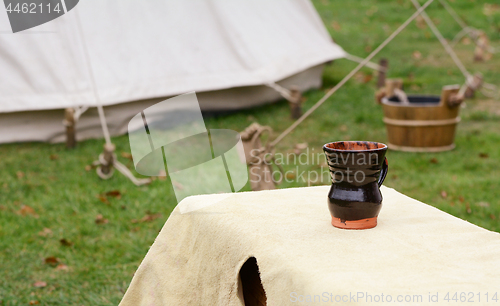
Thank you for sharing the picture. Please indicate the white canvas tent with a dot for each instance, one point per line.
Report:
(142, 52)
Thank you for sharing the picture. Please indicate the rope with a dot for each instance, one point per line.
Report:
(468, 77)
(443, 41)
(353, 72)
(466, 30)
(282, 90)
(100, 110)
(371, 65)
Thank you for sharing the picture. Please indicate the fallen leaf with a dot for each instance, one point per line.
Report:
(177, 185)
(301, 146)
(88, 167)
(62, 267)
(114, 193)
(483, 204)
(290, 175)
(461, 199)
(492, 217)
(162, 175)
(491, 9)
(368, 77)
(20, 174)
(368, 48)
(51, 261)
(34, 302)
(444, 195)
(103, 199)
(39, 284)
(336, 26)
(54, 157)
(417, 55)
(147, 218)
(483, 155)
(3, 207)
(127, 155)
(434, 160)
(26, 210)
(65, 242)
(45, 232)
(467, 208)
(123, 207)
(99, 219)
(421, 24)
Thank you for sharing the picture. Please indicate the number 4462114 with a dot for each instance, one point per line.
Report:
(470, 297)
(33, 8)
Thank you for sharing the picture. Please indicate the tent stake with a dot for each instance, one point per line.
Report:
(69, 122)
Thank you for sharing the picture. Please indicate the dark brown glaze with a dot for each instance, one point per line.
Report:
(358, 169)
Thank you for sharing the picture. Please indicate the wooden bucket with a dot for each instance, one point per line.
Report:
(426, 124)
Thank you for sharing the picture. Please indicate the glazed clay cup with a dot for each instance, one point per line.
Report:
(358, 169)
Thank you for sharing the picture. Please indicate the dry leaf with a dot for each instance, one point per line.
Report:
(114, 193)
(88, 167)
(290, 175)
(45, 232)
(54, 157)
(434, 160)
(34, 302)
(483, 155)
(126, 155)
(51, 261)
(421, 24)
(147, 218)
(65, 242)
(336, 26)
(483, 204)
(461, 199)
(103, 199)
(444, 195)
(39, 284)
(62, 267)
(492, 217)
(491, 9)
(20, 174)
(99, 219)
(26, 210)
(467, 208)
(417, 55)
(368, 48)
(177, 185)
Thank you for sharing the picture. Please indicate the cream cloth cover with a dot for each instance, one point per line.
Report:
(415, 249)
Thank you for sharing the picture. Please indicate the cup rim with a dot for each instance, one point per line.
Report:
(330, 150)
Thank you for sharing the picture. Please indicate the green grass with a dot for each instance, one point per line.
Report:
(102, 258)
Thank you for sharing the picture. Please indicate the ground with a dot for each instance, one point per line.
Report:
(69, 238)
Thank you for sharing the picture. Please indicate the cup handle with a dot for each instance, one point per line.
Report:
(383, 172)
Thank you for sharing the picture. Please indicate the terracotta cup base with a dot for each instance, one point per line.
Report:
(355, 224)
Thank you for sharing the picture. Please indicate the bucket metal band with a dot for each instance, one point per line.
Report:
(398, 122)
(420, 149)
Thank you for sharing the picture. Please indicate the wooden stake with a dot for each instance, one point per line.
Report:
(384, 63)
(69, 122)
(108, 155)
(295, 102)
